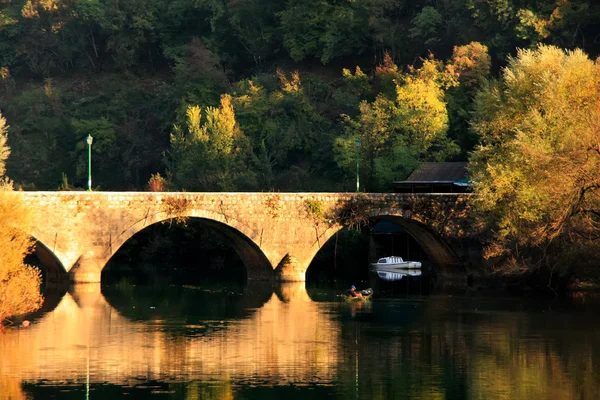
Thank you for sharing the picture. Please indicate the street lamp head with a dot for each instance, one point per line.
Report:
(357, 142)
(90, 139)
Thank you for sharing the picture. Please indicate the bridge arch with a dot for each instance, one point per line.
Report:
(280, 232)
(240, 236)
(54, 272)
(444, 258)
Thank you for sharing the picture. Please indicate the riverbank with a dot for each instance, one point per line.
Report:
(536, 284)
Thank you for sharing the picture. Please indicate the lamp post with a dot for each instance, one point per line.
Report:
(357, 164)
(89, 142)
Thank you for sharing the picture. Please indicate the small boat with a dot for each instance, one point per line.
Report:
(393, 262)
(397, 274)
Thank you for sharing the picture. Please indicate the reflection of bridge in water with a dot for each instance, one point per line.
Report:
(442, 347)
(287, 340)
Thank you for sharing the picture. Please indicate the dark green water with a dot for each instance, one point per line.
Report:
(132, 342)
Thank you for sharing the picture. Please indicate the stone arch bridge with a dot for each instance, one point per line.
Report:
(276, 235)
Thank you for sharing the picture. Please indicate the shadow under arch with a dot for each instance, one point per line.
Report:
(54, 273)
(256, 263)
(444, 259)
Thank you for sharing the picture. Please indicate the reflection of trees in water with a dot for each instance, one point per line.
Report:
(438, 348)
(473, 354)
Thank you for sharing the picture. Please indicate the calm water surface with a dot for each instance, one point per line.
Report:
(131, 342)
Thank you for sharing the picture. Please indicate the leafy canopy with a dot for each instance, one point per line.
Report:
(399, 128)
(207, 154)
(537, 169)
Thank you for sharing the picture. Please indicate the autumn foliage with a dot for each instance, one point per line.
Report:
(19, 283)
(537, 169)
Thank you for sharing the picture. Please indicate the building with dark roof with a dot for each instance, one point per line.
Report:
(436, 177)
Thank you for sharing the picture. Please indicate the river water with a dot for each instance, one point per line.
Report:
(221, 342)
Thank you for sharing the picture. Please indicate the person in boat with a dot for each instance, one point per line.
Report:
(353, 293)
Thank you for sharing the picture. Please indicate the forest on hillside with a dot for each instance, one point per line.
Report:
(257, 95)
(274, 95)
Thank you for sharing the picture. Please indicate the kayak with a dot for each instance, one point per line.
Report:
(366, 296)
(350, 299)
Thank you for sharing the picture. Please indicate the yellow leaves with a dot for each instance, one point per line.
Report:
(56, 27)
(20, 292)
(50, 5)
(534, 127)
(292, 85)
(356, 83)
(29, 11)
(387, 67)
(358, 74)
(194, 118)
(221, 126)
(251, 93)
(422, 109)
(253, 89)
(529, 21)
(227, 113)
(19, 284)
(4, 73)
(217, 131)
(31, 7)
(432, 70)
(14, 222)
(470, 64)
(157, 183)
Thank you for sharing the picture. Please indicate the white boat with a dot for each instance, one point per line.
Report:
(397, 274)
(393, 262)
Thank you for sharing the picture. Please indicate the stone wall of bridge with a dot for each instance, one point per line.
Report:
(276, 234)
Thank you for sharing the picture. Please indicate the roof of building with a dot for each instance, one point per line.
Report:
(439, 172)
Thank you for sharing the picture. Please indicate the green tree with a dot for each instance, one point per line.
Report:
(537, 169)
(40, 138)
(254, 25)
(103, 145)
(128, 29)
(291, 139)
(426, 26)
(209, 153)
(399, 131)
(199, 76)
(354, 88)
(470, 64)
(323, 29)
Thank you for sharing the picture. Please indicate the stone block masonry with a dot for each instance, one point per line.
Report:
(276, 234)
